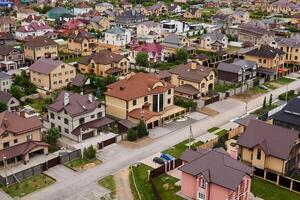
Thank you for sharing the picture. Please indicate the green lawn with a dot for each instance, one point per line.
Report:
(166, 187)
(283, 81)
(269, 191)
(270, 85)
(179, 148)
(258, 90)
(140, 173)
(70, 60)
(109, 183)
(262, 111)
(28, 185)
(212, 129)
(221, 133)
(38, 104)
(223, 87)
(81, 164)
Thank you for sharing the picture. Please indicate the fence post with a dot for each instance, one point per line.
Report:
(291, 184)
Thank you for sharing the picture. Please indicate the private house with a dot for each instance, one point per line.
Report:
(82, 41)
(295, 19)
(214, 175)
(40, 47)
(117, 36)
(192, 80)
(192, 13)
(5, 82)
(99, 23)
(289, 116)
(283, 7)
(236, 18)
(239, 71)
(267, 57)
(23, 13)
(32, 19)
(11, 102)
(58, 12)
(51, 74)
(32, 30)
(129, 18)
(104, 63)
(174, 26)
(77, 117)
(269, 147)
(174, 8)
(158, 9)
(103, 6)
(173, 42)
(142, 97)
(10, 58)
(255, 32)
(73, 24)
(214, 41)
(149, 31)
(154, 51)
(81, 9)
(21, 138)
(7, 25)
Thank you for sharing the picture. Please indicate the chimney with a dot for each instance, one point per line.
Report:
(90, 97)
(5, 122)
(194, 65)
(66, 99)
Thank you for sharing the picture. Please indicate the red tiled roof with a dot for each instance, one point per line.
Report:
(136, 114)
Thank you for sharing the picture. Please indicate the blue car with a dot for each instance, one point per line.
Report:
(167, 156)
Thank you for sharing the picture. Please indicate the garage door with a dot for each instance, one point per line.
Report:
(88, 135)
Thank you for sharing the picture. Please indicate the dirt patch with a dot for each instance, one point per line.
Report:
(208, 111)
(247, 96)
(123, 185)
(136, 144)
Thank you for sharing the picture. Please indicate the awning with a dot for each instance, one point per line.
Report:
(95, 124)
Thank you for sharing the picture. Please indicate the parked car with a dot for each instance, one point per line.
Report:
(167, 156)
(263, 87)
(159, 160)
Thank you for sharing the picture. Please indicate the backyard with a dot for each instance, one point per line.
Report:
(39, 104)
(270, 191)
(28, 185)
(179, 148)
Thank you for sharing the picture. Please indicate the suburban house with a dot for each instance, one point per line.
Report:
(5, 82)
(81, 9)
(148, 31)
(32, 19)
(270, 147)
(174, 26)
(239, 71)
(232, 19)
(192, 13)
(288, 116)
(32, 30)
(142, 97)
(73, 24)
(129, 18)
(99, 23)
(23, 13)
(214, 41)
(104, 63)
(158, 9)
(82, 41)
(117, 36)
(51, 74)
(40, 47)
(255, 32)
(103, 6)
(267, 57)
(7, 25)
(11, 102)
(77, 117)
(21, 138)
(211, 174)
(154, 51)
(283, 7)
(173, 42)
(10, 58)
(192, 80)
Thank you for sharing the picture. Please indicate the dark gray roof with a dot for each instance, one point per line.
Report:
(78, 104)
(5, 97)
(6, 50)
(78, 80)
(95, 124)
(236, 66)
(4, 76)
(187, 89)
(244, 121)
(217, 167)
(290, 113)
(215, 37)
(274, 140)
(290, 42)
(45, 65)
(265, 51)
(172, 38)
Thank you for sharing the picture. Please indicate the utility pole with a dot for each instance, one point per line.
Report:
(191, 138)
(5, 170)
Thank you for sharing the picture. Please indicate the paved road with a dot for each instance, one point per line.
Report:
(77, 185)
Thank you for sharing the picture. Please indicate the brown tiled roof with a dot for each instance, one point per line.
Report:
(78, 104)
(147, 114)
(185, 72)
(244, 121)
(16, 124)
(104, 57)
(187, 89)
(274, 140)
(81, 35)
(265, 51)
(78, 80)
(5, 97)
(138, 85)
(95, 124)
(113, 70)
(40, 42)
(45, 65)
(21, 149)
(6, 20)
(217, 167)
(6, 50)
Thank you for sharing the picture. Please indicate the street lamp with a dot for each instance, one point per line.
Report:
(5, 170)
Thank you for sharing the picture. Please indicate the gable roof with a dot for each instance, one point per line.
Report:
(274, 140)
(81, 35)
(6, 50)
(265, 51)
(104, 57)
(45, 65)
(5, 97)
(40, 42)
(236, 66)
(4, 76)
(216, 166)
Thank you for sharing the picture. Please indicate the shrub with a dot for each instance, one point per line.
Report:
(89, 153)
(185, 103)
(290, 95)
(132, 135)
(142, 129)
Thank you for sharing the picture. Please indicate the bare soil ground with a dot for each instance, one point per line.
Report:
(122, 185)
(208, 111)
(136, 144)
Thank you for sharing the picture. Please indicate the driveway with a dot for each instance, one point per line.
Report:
(60, 172)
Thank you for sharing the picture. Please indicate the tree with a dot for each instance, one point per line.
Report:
(52, 136)
(181, 55)
(141, 129)
(3, 106)
(16, 92)
(270, 100)
(131, 135)
(141, 59)
(264, 103)
(89, 153)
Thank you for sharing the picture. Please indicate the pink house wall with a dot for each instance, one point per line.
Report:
(188, 185)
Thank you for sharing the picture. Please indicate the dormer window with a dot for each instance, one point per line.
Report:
(202, 183)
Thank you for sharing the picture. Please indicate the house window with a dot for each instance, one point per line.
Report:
(15, 141)
(66, 130)
(92, 116)
(259, 60)
(59, 128)
(296, 57)
(66, 121)
(169, 101)
(29, 137)
(258, 156)
(62, 66)
(169, 91)
(81, 121)
(52, 125)
(201, 196)
(145, 98)
(211, 77)
(52, 116)
(202, 183)
(134, 102)
(202, 85)
(5, 145)
(99, 115)
(265, 61)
